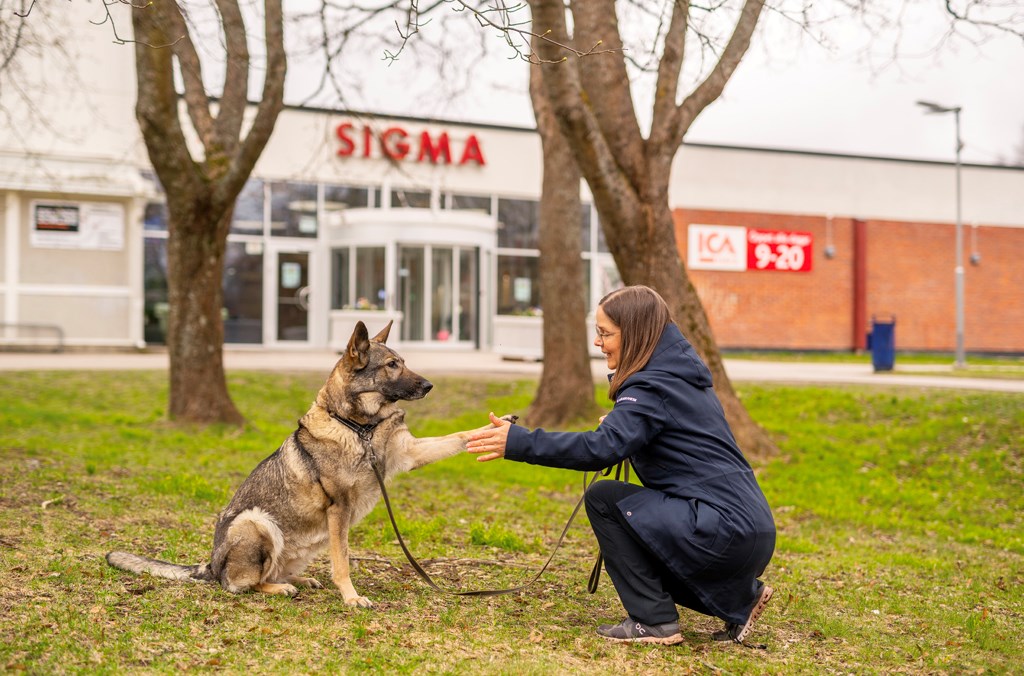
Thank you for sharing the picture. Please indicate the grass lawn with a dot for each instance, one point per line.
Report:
(900, 516)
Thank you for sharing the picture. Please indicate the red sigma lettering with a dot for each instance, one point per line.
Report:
(394, 143)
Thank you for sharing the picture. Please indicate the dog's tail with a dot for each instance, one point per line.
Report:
(134, 563)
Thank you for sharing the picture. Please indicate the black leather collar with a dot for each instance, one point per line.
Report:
(365, 432)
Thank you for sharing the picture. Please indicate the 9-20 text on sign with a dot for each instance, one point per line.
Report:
(737, 249)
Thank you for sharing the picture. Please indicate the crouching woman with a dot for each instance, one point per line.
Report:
(699, 532)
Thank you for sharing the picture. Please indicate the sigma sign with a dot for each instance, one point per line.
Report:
(398, 144)
(734, 248)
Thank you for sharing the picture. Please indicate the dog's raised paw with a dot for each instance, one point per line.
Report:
(510, 418)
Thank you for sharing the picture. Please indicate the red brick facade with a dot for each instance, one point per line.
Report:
(906, 271)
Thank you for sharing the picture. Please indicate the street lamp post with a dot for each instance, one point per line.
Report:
(958, 270)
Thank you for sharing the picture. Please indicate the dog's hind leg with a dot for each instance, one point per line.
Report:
(250, 556)
(337, 524)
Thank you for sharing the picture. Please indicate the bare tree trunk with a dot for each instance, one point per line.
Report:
(642, 261)
(201, 193)
(628, 174)
(195, 336)
(566, 390)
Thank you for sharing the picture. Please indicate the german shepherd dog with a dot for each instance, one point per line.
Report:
(320, 482)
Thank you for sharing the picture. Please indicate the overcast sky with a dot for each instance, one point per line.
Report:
(802, 99)
(836, 105)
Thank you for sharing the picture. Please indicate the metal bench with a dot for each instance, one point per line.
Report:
(21, 336)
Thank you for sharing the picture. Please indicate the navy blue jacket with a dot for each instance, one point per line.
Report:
(706, 518)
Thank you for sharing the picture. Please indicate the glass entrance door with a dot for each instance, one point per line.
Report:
(293, 296)
(437, 294)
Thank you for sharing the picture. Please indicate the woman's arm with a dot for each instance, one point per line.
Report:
(630, 427)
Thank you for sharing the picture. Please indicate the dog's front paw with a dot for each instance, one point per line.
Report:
(359, 602)
(277, 589)
(510, 418)
(310, 582)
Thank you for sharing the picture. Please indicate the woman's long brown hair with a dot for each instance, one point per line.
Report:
(641, 315)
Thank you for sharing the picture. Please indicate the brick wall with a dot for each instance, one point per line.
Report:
(909, 274)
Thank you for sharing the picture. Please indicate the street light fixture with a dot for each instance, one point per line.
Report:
(934, 108)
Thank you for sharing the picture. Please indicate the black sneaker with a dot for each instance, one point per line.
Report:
(739, 632)
(631, 631)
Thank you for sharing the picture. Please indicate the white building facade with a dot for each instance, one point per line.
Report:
(431, 224)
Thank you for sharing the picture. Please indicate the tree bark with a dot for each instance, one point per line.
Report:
(565, 393)
(195, 335)
(201, 193)
(629, 175)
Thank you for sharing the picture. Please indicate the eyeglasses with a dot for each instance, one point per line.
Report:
(605, 335)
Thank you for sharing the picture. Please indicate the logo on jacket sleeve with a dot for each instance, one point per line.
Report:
(621, 399)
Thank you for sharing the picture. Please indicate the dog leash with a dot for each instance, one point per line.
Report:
(365, 434)
(477, 592)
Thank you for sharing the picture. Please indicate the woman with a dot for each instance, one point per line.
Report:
(699, 532)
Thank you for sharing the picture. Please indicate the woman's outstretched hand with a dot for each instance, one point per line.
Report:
(492, 441)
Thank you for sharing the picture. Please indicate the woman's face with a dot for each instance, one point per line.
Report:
(608, 339)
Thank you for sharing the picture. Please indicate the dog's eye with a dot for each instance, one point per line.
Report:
(392, 364)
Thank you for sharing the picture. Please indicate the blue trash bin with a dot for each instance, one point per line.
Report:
(883, 343)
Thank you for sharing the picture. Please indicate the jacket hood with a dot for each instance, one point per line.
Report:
(676, 356)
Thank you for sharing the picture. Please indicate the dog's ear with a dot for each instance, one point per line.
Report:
(382, 337)
(358, 345)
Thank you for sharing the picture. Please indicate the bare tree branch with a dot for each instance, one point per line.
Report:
(11, 36)
(713, 85)
(1011, 22)
(235, 91)
(191, 69)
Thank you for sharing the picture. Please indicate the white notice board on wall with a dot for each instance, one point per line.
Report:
(77, 225)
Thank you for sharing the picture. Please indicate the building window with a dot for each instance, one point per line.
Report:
(608, 278)
(358, 278)
(155, 217)
(248, 216)
(518, 224)
(243, 293)
(410, 199)
(293, 210)
(337, 198)
(519, 285)
(341, 280)
(155, 291)
(242, 285)
(585, 229)
(469, 284)
(370, 294)
(443, 304)
(480, 203)
(602, 245)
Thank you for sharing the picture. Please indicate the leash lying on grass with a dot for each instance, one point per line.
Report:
(365, 432)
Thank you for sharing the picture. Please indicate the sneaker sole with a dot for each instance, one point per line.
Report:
(762, 602)
(667, 640)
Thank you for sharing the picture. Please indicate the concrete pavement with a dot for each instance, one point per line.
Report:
(444, 362)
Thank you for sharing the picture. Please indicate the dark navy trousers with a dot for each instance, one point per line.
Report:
(648, 590)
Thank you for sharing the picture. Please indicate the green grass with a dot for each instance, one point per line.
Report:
(900, 516)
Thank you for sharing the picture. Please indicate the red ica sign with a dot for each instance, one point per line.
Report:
(779, 250)
(397, 144)
(717, 247)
